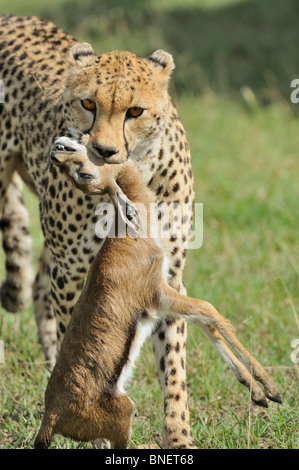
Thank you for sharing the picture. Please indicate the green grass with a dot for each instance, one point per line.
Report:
(246, 166)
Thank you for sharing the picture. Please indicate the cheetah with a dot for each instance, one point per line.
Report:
(117, 104)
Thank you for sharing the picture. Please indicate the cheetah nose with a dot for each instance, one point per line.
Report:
(105, 151)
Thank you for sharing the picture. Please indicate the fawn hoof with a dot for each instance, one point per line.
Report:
(261, 402)
(39, 444)
(276, 398)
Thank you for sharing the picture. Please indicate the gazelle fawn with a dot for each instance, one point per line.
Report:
(124, 297)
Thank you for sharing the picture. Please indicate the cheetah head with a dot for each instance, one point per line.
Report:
(115, 103)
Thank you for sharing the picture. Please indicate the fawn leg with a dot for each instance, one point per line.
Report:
(241, 373)
(45, 434)
(218, 329)
(121, 422)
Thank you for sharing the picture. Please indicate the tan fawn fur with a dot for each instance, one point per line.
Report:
(125, 292)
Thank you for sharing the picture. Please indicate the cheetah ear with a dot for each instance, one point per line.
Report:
(162, 62)
(81, 54)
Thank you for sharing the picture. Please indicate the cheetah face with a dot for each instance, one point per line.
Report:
(115, 103)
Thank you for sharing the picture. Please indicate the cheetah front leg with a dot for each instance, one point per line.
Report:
(43, 309)
(169, 342)
(65, 291)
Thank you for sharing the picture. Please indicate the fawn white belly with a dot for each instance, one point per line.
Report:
(143, 330)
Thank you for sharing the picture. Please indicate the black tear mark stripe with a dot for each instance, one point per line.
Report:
(83, 53)
(126, 142)
(87, 131)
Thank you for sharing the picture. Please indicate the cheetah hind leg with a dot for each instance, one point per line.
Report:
(16, 290)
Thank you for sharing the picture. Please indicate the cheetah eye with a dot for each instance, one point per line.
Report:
(134, 112)
(88, 104)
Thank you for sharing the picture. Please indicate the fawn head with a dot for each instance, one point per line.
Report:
(76, 162)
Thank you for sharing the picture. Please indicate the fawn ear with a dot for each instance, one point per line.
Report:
(81, 54)
(127, 211)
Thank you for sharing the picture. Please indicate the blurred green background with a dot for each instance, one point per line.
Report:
(221, 45)
(235, 60)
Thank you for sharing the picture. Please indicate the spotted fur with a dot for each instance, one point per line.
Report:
(47, 75)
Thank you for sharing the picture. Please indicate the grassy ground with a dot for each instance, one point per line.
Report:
(246, 173)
